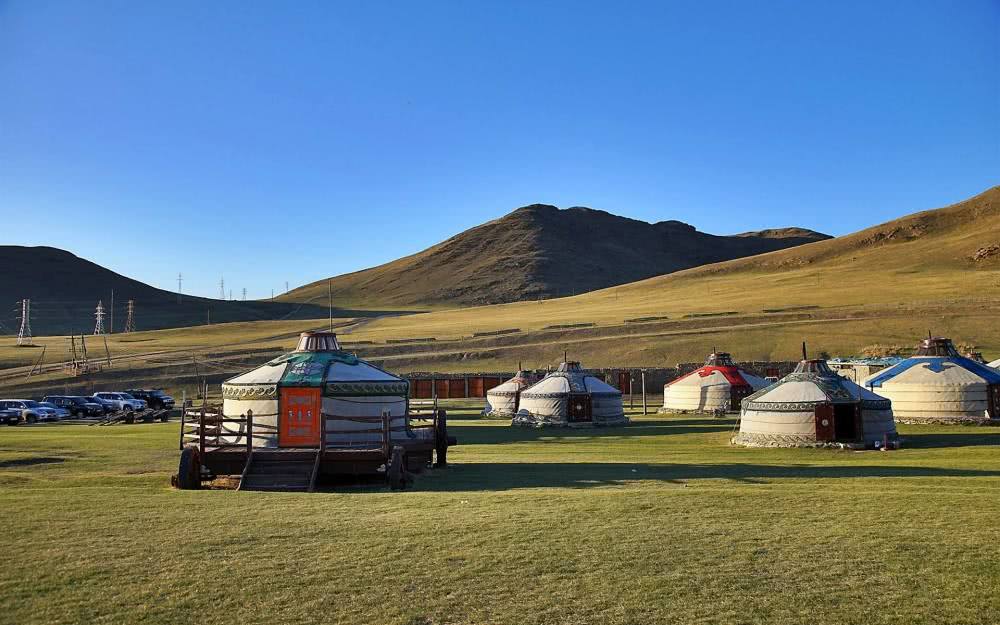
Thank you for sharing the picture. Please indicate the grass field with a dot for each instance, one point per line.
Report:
(658, 522)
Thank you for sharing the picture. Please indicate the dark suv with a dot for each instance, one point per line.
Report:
(10, 416)
(77, 406)
(154, 398)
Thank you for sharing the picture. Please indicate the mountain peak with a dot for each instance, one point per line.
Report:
(553, 251)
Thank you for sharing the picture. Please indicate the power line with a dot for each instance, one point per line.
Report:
(244, 294)
(222, 288)
(180, 279)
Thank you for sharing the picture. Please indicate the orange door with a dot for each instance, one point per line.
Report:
(300, 414)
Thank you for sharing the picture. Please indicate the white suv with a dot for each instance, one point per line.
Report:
(31, 411)
(122, 401)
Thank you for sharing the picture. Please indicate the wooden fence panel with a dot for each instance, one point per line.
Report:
(456, 388)
(441, 388)
(623, 381)
(421, 389)
(476, 387)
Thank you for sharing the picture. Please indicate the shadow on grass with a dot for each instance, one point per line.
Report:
(508, 476)
(972, 438)
(498, 435)
(30, 461)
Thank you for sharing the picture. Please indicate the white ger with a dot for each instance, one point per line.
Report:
(570, 396)
(813, 406)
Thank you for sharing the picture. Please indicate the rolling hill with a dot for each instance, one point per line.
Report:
(540, 252)
(64, 290)
(884, 286)
(936, 269)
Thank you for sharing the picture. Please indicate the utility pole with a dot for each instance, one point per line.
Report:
(222, 288)
(230, 294)
(24, 334)
(244, 294)
(99, 315)
(286, 286)
(130, 318)
(180, 279)
(329, 284)
(209, 316)
(112, 312)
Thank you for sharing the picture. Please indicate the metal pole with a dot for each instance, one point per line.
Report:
(329, 284)
(643, 391)
(631, 390)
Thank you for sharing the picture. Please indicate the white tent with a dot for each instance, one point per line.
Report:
(718, 386)
(289, 394)
(995, 364)
(937, 385)
(570, 396)
(813, 406)
(503, 400)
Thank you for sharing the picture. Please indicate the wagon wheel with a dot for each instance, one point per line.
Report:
(395, 472)
(189, 470)
(441, 439)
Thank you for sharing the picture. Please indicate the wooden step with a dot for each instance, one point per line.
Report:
(279, 472)
(284, 467)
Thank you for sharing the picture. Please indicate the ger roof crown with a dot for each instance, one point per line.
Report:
(318, 342)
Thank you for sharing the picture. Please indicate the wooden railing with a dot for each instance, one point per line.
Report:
(385, 429)
(207, 428)
(418, 407)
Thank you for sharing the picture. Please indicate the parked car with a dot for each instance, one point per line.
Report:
(106, 404)
(154, 398)
(123, 401)
(31, 411)
(10, 416)
(61, 413)
(76, 405)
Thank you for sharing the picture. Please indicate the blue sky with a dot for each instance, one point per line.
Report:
(270, 141)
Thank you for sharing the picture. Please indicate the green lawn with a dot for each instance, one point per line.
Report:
(658, 522)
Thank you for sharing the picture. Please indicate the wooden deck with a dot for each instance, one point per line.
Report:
(221, 451)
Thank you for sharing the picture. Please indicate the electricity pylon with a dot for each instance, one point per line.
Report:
(130, 317)
(24, 334)
(99, 315)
